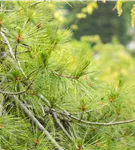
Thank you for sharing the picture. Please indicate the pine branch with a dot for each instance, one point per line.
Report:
(1, 107)
(88, 122)
(11, 51)
(27, 51)
(44, 99)
(71, 77)
(7, 42)
(65, 76)
(95, 123)
(37, 123)
(61, 126)
(38, 2)
(15, 93)
(55, 117)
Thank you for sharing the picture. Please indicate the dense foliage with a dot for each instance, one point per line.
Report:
(61, 94)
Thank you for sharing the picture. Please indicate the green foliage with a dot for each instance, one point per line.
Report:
(58, 93)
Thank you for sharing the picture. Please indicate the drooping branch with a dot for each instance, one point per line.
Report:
(96, 123)
(37, 123)
(84, 121)
(64, 112)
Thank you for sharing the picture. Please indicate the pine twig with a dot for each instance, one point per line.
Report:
(7, 42)
(84, 121)
(15, 93)
(35, 3)
(65, 76)
(55, 117)
(97, 123)
(61, 126)
(45, 100)
(37, 123)
(11, 51)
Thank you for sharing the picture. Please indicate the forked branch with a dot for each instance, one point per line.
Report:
(37, 123)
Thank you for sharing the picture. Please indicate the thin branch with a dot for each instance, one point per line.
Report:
(27, 51)
(17, 53)
(44, 99)
(114, 119)
(84, 121)
(65, 76)
(16, 50)
(34, 71)
(1, 107)
(38, 2)
(15, 93)
(55, 116)
(37, 123)
(7, 42)
(61, 126)
(11, 52)
(96, 123)
(70, 77)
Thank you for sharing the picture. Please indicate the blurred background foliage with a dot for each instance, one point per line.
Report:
(97, 18)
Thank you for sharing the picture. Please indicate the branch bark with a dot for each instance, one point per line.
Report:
(11, 51)
(87, 122)
(61, 126)
(96, 123)
(37, 123)
(15, 93)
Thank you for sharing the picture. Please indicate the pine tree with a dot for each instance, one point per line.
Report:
(50, 97)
